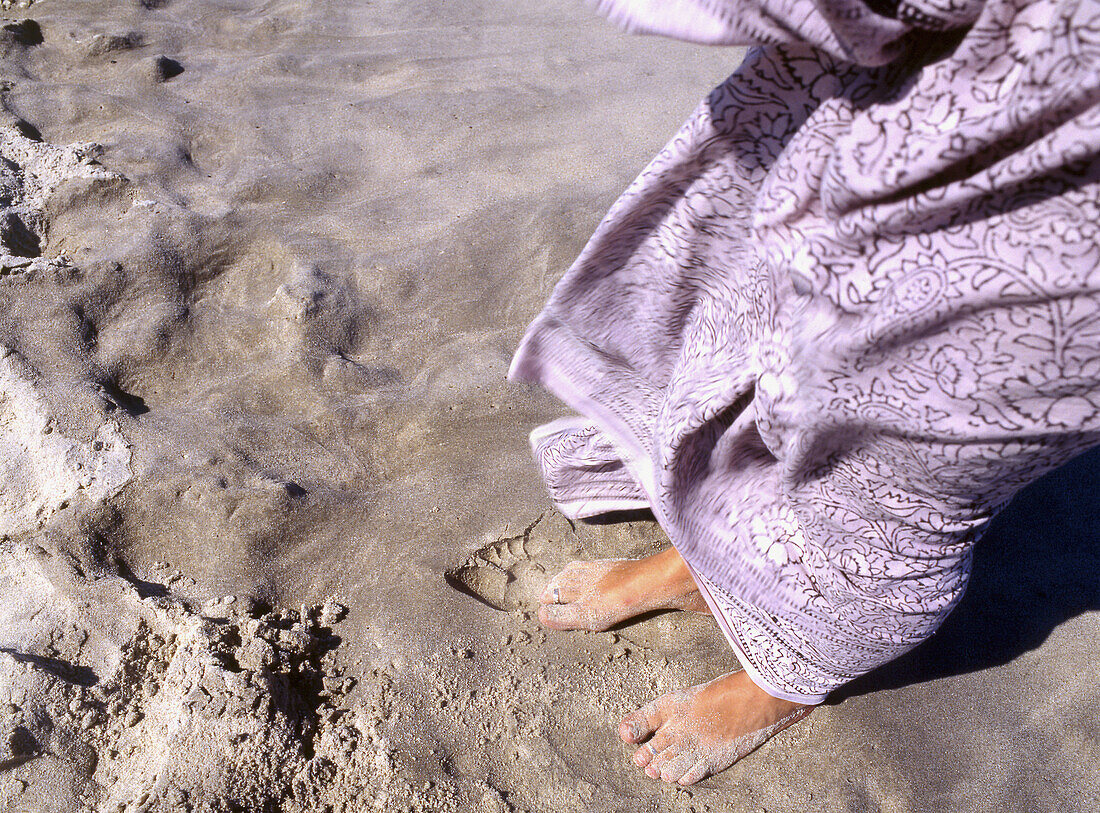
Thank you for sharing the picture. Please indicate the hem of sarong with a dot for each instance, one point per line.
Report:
(584, 509)
(588, 506)
(557, 425)
(617, 431)
(739, 649)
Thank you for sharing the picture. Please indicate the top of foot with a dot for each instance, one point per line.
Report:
(599, 594)
(691, 734)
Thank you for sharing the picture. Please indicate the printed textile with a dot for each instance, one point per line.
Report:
(847, 312)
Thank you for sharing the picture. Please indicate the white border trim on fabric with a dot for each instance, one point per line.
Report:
(583, 509)
(571, 395)
(593, 506)
(557, 425)
(746, 663)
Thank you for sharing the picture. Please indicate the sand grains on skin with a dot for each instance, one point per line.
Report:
(597, 595)
(694, 733)
(688, 734)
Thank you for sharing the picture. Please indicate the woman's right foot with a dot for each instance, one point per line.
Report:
(598, 595)
(700, 731)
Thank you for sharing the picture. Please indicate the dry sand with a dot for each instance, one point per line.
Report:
(262, 268)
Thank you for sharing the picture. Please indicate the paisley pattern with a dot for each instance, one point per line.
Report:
(847, 312)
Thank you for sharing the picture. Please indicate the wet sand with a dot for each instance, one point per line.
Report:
(263, 266)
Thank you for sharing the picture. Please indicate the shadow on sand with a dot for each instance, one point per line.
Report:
(1037, 566)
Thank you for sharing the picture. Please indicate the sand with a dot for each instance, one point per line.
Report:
(271, 535)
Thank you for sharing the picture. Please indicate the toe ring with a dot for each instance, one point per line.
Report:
(556, 595)
(650, 747)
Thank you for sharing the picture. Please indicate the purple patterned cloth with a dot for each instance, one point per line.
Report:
(847, 312)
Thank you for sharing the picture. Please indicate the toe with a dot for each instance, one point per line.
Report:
(567, 617)
(547, 596)
(699, 770)
(638, 726)
(657, 767)
(557, 616)
(674, 769)
(645, 755)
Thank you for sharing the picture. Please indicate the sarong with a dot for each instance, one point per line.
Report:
(848, 312)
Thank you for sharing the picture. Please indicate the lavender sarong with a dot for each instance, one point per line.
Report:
(847, 312)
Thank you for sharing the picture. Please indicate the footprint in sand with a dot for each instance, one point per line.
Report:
(503, 574)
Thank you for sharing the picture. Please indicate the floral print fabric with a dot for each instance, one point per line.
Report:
(847, 312)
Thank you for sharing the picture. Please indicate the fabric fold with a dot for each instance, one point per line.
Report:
(842, 317)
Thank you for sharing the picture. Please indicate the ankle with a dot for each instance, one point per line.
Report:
(660, 580)
(674, 572)
(668, 562)
(741, 682)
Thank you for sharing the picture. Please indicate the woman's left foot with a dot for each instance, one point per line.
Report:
(700, 731)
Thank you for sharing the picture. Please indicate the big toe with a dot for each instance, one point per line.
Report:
(564, 616)
(577, 580)
(638, 726)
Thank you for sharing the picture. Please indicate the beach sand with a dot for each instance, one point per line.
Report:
(262, 267)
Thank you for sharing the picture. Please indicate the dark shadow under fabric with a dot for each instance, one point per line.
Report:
(1037, 567)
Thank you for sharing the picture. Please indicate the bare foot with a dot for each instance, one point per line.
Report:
(700, 731)
(597, 595)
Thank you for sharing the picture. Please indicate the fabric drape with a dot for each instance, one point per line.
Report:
(845, 314)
